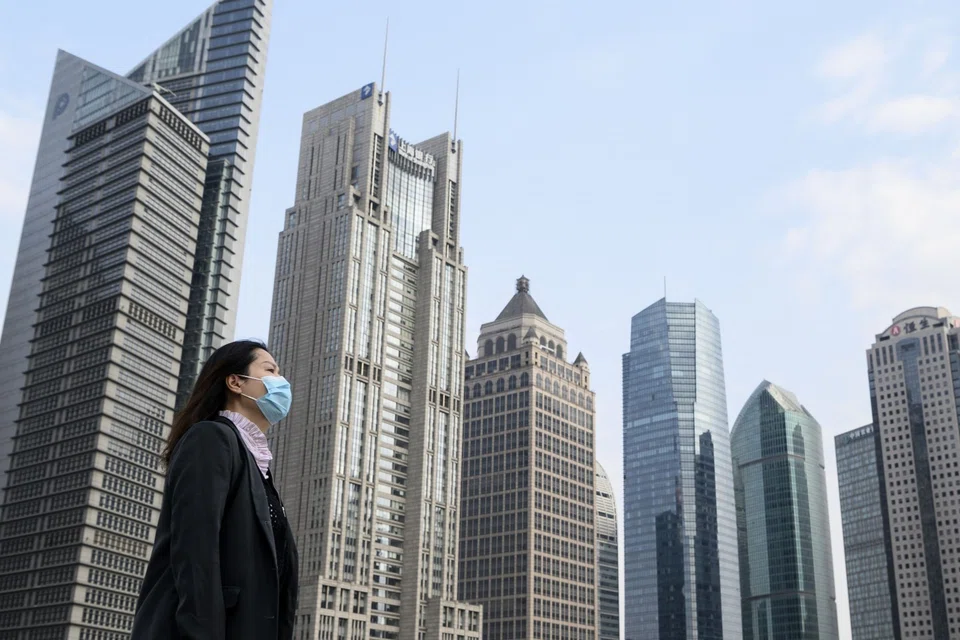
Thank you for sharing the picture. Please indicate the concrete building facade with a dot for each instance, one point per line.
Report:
(528, 547)
(367, 323)
(914, 373)
(84, 487)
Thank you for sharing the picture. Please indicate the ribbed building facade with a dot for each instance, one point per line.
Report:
(681, 564)
(608, 558)
(84, 487)
(368, 321)
(528, 547)
(213, 73)
(914, 374)
(125, 279)
(786, 566)
(866, 544)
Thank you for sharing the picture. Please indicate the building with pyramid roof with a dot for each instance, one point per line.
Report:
(528, 537)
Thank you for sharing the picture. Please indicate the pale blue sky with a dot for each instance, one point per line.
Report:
(793, 165)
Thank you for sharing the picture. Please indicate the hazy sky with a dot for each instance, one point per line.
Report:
(793, 165)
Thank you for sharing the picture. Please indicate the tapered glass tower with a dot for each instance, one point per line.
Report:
(680, 533)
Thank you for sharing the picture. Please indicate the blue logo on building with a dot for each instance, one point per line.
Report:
(394, 140)
(366, 91)
(62, 102)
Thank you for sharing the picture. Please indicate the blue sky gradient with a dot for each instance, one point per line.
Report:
(793, 165)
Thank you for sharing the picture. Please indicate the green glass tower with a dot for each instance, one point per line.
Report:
(786, 568)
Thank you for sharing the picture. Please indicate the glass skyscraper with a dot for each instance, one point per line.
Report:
(213, 73)
(680, 533)
(786, 566)
(123, 171)
(870, 578)
(128, 259)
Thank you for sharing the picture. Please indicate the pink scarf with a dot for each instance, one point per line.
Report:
(253, 438)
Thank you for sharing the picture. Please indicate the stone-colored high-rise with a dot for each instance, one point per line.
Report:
(786, 567)
(608, 558)
(528, 547)
(83, 492)
(368, 322)
(914, 370)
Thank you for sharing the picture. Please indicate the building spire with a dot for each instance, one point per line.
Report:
(383, 72)
(523, 285)
(456, 114)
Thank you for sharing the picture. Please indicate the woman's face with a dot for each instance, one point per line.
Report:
(263, 365)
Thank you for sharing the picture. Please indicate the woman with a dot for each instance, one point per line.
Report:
(224, 564)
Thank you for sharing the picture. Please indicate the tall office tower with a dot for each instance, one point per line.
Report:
(681, 565)
(866, 542)
(121, 173)
(608, 558)
(528, 547)
(213, 73)
(368, 317)
(914, 369)
(786, 567)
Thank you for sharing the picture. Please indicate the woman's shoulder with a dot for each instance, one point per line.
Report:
(209, 434)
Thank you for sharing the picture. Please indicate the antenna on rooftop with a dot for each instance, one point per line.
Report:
(456, 113)
(383, 74)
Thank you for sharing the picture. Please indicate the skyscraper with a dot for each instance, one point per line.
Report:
(680, 532)
(528, 535)
(786, 567)
(870, 578)
(83, 492)
(608, 558)
(914, 371)
(213, 73)
(367, 322)
(100, 308)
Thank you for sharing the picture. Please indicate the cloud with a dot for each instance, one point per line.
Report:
(893, 83)
(861, 56)
(884, 229)
(913, 114)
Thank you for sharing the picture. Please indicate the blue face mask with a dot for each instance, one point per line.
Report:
(275, 403)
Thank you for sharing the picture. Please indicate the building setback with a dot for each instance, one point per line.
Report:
(914, 372)
(528, 549)
(786, 567)
(367, 322)
(866, 543)
(608, 558)
(681, 572)
(84, 486)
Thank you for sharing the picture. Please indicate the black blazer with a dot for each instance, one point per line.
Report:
(213, 572)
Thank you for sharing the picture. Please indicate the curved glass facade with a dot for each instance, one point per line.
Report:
(680, 534)
(786, 566)
(608, 558)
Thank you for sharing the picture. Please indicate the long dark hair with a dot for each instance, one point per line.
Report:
(209, 395)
